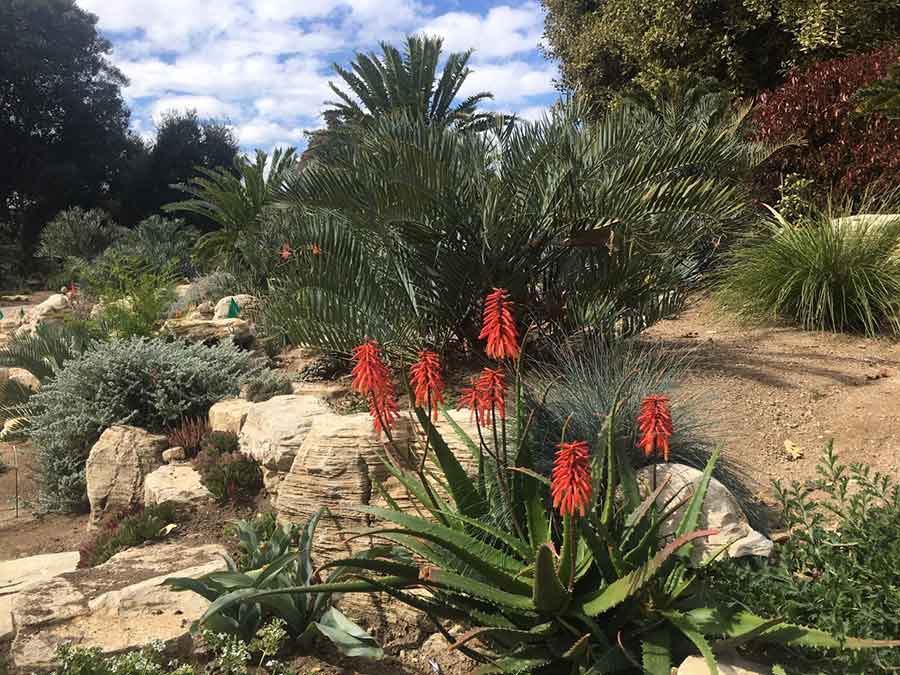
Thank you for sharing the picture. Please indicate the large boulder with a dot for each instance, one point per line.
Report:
(117, 466)
(19, 575)
(730, 664)
(118, 606)
(20, 376)
(247, 305)
(229, 415)
(721, 511)
(54, 308)
(274, 431)
(176, 483)
(211, 331)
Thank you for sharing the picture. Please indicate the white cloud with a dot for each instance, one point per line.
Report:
(533, 113)
(510, 82)
(206, 106)
(260, 132)
(503, 31)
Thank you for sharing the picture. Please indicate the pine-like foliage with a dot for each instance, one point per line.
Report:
(604, 225)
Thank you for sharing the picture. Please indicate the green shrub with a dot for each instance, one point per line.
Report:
(76, 233)
(147, 383)
(228, 474)
(839, 569)
(161, 244)
(125, 530)
(277, 558)
(828, 272)
(75, 660)
(265, 384)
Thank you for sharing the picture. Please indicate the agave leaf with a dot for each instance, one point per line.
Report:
(349, 638)
(625, 587)
(656, 653)
(548, 592)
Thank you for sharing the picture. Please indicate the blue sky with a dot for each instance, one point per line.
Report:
(264, 65)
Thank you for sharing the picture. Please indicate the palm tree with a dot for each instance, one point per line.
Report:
(407, 82)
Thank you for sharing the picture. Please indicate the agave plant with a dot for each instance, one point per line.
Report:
(571, 574)
(281, 561)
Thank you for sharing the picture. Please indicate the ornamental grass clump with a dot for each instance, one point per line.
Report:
(562, 575)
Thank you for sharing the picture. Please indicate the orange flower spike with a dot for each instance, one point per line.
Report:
(428, 385)
(468, 400)
(570, 484)
(372, 379)
(285, 251)
(498, 327)
(491, 392)
(655, 423)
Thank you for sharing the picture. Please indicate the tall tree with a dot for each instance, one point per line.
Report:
(607, 46)
(406, 82)
(63, 123)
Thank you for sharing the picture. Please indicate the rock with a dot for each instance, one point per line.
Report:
(21, 377)
(205, 310)
(19, 575)
(118, 606)
(274, 431)
(116, 468)
(247, 304)
(720, 511)
(181, 290)
(211, 331)
(13, 428)
(229, 415)
(52, 310)
(177, 483)
(726, 664)
(176, 454)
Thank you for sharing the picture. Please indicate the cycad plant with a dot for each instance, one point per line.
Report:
(564, 575)
(588, 224)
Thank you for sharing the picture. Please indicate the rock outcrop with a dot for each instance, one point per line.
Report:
(20, 575)
(274, 431)
(176, 483)
(118, 606)
(229, 415)
(21, 377)
(720, 511)
(117, 466)
(211, 331)
(727, 665)
(247, 306)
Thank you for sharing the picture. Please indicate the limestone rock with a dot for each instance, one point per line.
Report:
(274, 431)
(176, 454)
(19, 575)
(21, 377)
(229, 415)
(205, 310)
(116, 468)
(177, 483)
(247, 304)
(720, 511)
(726, 664)
(210, 331)
(24, 321)
(118, 606)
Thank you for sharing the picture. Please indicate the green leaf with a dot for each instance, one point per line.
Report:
(691, 631)
(477, 589)
(350, 639)
(691, 518)
(549, 594)
(657, 653)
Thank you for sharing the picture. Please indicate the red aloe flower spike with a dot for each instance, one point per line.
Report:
(499, 328)
(491, 391)
(372, 379)
(316, 249)
(655, 422)
(570, 484)
(468, 400)
(285, 251)
(428, 385)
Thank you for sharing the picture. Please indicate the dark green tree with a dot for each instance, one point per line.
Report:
(609, 46)
(63, 123)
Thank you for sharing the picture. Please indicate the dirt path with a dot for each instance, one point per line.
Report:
(761, 387)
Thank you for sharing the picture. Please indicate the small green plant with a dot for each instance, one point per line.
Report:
(125, 530)
(76, 233)
(161, 243)
(227, 473)
(265, 384)
(829, 272)
(77, 660)
(189, 434)
(796, 197)
(282, 561)
(842, 547)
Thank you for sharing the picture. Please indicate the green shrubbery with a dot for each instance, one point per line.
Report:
(147, 383)
(160, 243)
(76, 233)
(124, 530)
(265, 384)
(839, 568)
(828, 271)
(227, 473)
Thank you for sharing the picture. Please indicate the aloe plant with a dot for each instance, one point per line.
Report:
(282, 561)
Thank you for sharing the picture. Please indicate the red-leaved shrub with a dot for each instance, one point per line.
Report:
(842, 150)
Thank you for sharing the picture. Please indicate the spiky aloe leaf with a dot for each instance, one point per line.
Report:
(513, 665)
(461, 486)
(481, 591)
(568, 551)
(548, 592)
(691, 518)
(537, 634)
(516, 544)
(493, 564)
(696, 636)
(621, 590)
(656, 653)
